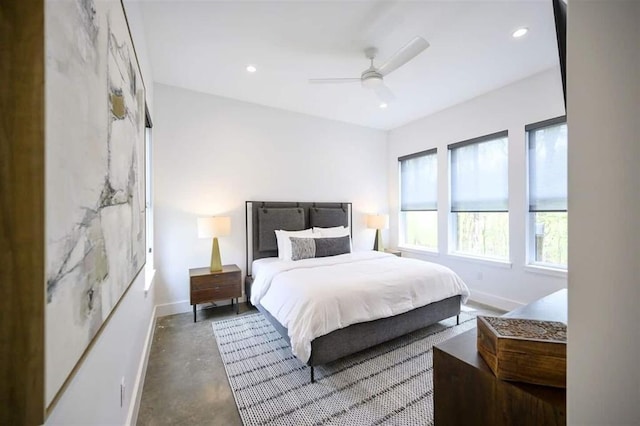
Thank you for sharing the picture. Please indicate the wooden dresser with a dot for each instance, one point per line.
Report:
(466, 392)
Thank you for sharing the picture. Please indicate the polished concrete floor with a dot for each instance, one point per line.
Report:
(185, 382)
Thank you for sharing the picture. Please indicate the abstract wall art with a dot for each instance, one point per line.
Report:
(95, 199)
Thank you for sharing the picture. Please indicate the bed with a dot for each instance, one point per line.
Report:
(387, 296)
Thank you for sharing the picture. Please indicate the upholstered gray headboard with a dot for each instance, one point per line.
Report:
(264, 217)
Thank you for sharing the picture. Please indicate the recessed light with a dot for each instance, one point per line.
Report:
(383, 105)
(520, 32)
(251, 68)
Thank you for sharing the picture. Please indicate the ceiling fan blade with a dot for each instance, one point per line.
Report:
(333, 80)
(384, 94)
(404, 55)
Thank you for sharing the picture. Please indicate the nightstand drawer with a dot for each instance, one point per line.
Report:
(204, 282)
(216, 293)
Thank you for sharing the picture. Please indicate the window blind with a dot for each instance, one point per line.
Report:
(548, 166)
(479, 174)
(419, 181)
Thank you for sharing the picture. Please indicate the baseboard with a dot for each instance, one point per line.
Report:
(494, 301)
(182, 306)
(164, 309)
(134, 406)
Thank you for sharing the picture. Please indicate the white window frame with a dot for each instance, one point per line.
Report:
(402, 244)
(453, 216)
(531, 263)
(148, 161)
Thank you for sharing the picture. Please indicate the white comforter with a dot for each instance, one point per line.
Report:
(313, 297)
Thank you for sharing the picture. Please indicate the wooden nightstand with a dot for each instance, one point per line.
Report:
(207, 286)
(395, 252)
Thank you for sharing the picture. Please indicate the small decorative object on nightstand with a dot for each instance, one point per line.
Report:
(393, 251)
(207, 286)
(378, 222)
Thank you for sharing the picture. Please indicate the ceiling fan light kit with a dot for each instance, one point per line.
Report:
(373, 78)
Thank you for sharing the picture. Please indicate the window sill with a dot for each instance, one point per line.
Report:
(482, 260)
(149, 275)
(546, 270)
(419, 250)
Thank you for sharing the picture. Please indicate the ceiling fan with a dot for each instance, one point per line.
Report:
(372, 77)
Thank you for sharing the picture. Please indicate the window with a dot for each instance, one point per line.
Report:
(548, 192)
(148, 150)
(480, 196)
(149, 195)
(419, 200)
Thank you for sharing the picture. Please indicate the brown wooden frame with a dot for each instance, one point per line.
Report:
(22, 151)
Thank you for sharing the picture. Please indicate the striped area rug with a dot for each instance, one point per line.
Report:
(389, 384)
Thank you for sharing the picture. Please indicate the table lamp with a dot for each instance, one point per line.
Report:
(378, 222)
(217, 226)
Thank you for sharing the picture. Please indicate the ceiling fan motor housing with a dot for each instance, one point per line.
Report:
(371, 79)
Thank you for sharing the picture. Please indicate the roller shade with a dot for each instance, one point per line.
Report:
(479, 174)
(548, 166)
(419, 181)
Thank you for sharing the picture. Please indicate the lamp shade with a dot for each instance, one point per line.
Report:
(217, 226)
(378, 221)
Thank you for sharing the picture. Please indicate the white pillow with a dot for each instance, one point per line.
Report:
(336, 231)
(284, 243)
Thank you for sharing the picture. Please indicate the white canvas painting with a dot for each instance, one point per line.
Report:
(95, 197)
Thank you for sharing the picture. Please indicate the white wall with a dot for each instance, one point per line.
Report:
(93, 394)
(510, 108)
(212, 154)
(603, 374)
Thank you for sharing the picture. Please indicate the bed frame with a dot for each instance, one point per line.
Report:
(263, 217)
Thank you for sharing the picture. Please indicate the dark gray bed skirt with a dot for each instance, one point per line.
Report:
(357, 337)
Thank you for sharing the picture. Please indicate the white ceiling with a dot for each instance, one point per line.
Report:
(206, 46)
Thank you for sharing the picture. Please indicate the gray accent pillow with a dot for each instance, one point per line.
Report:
(333, 246)
(302, 248)
(307, 248)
